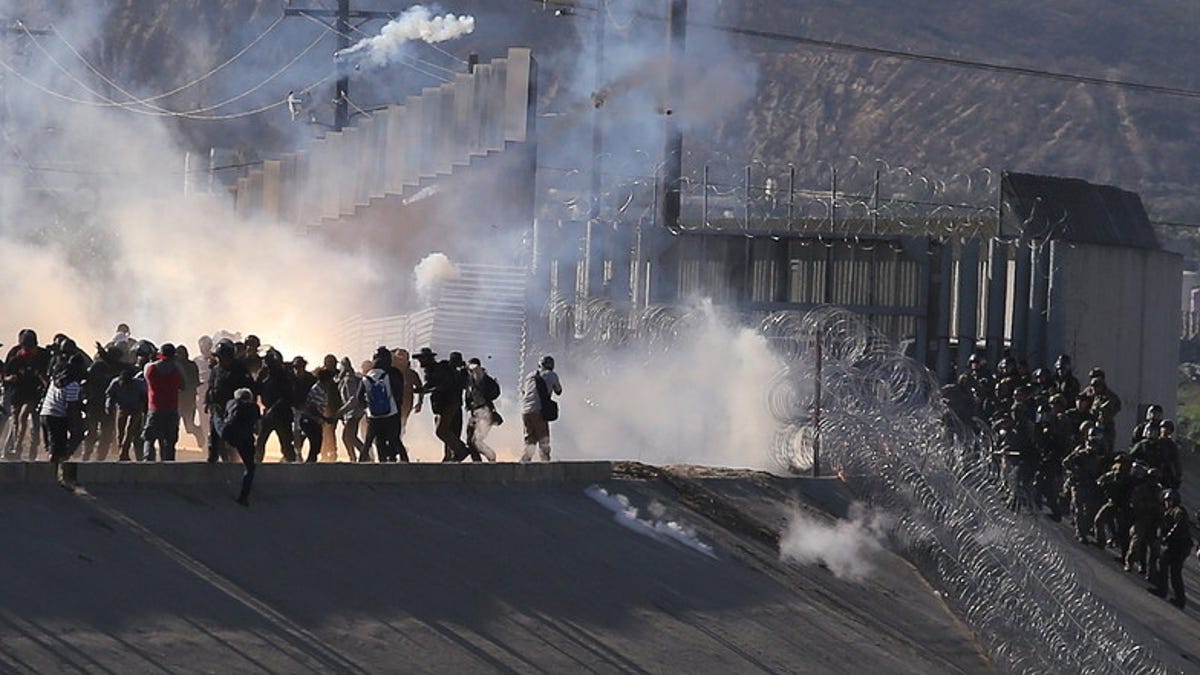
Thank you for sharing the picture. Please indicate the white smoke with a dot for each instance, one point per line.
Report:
(849, 548)
(704, 401)
(429, 274)
(658, 526)
(416, 23)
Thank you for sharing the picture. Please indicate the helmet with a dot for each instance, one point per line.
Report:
(273, 357)
(1095, 433)
(977, 357)
(146, 348)
(1171, 496)
(1007, 363)
(1096, 373)
(1139, 469)
(547, 362)
(224, 348)
(1063, 362)
(1167, 425)
(1058, 399)
(1152, 410)
(27, 338)
(1041, 375)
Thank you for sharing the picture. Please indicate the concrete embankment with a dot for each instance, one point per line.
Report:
(438, 568)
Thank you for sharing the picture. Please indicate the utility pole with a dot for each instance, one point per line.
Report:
(342, 16)
(672, 178)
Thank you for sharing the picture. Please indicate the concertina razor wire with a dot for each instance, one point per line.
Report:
(886, 432)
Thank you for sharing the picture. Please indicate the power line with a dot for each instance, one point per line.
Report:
(835, 45)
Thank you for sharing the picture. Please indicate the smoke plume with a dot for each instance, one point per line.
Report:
(429, 275)
(416, 23)
(849, 548)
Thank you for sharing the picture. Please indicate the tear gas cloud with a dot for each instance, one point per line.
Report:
(704, 401)
(415, 23)
(849, 548)
(658, 525)
(108, 236)
(429, 274)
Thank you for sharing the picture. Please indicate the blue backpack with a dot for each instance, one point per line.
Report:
(379, 395)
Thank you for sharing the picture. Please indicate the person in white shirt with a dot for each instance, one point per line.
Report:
(538, 408)
(62, 410)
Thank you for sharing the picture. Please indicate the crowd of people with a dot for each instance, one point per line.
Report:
(131, 398)
(1056, 451)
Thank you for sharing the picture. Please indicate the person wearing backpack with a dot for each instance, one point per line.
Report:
(538, 407)
(480, 400)
(379, 396)
(241, 419)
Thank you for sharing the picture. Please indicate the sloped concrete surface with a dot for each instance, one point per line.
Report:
(442, 577)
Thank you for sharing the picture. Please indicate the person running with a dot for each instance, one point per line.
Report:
(126, 398)
(62, 409)
(352, 411)
(379, 396)
(480, 401)
(25, 379)
(240, 420)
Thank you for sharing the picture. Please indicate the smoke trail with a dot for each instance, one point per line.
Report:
(416, 23)
(848, 547)
(659, 526)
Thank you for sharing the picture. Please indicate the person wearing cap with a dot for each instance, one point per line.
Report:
(445, 391)
(227, 376)
(538, 408)
(1175, 535)
(164, 381)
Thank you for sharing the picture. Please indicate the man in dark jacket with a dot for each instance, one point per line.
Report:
(25, 379)
(227, 376)
(241, 418)
(275, 385)
(99, 424)
(445, 388)
(480, 401)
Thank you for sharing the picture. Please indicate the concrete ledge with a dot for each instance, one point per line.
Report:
(199, 473)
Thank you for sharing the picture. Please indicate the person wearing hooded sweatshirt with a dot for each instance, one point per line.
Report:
(226, 377)
(126, 397)
(62, 409)
(164, 381)
(351, 412)
(25, 379)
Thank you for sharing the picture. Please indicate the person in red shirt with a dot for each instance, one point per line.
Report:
(164, 381)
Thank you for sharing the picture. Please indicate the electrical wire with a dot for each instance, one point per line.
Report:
(157, 110)
(907, 55)
(187, 85)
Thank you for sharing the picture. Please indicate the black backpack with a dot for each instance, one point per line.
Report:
(549, 406)
(489, 388)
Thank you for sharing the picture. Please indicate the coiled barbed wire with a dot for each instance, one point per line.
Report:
(884, 427)
(885, 430)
